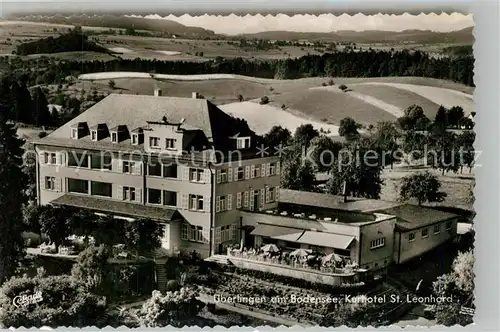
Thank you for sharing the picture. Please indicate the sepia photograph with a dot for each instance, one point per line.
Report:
(186, 169)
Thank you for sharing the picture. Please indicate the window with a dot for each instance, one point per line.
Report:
(101, 189)
(127, 167)
(411, 237)
(240, 174)
(225, 233)
(74, 133)
(222, 202)
(425, 232)
(154, 142)
(256, 171)
(129, 193)
(170, 143)
(192, 233)
(76, 159)
(169, 198)
(78, 186)
(114, 137)
(101, 161)
(50, 183)
(437, 228)
(196, 174)
(195, 202)
(378, 243)
(154, 168)
(223, 175)
(135, 139)
(93, 135)
(154, 196)
(50, 158)
(271, 194)
(272, 169)
(448, 225)
(243, 142)
(170, 171)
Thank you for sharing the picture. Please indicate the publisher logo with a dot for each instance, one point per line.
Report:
(24, 300)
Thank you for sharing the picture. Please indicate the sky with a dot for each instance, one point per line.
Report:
(217, 15)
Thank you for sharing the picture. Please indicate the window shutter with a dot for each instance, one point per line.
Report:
(229, 174)
(252, 171)
(59, 158)
(206, 235)
(234, 232)
(268, 169)
(217, 204)
(252, 200)
(217, 235)
(278, 168)
(185, 201)
(247, 172)
(207, 202)
(58, 184)
(229, 202)
(277, 193)
(138, 195)
(267, 194)
(185, 173)
(208, 175)
(218, 176)
(245, 199)
(262, 197)
(238, 200)
(119, 192)
(136, 168)
(263, 170)
(236, 174)
(119, 167)
(42, 158)
(43, 183)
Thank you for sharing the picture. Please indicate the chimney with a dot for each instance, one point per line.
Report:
(194, 95)
(157, 92)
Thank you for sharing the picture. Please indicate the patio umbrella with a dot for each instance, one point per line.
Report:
(332, 257)
(300, 253)
(270, 248)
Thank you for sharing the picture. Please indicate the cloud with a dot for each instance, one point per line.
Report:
(234, 24)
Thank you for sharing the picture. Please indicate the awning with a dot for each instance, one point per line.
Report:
(329, 240)
(118, 207)
(278, 232)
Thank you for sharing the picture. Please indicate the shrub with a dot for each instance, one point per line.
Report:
(283, 106)
(42, 134)
(240, 97)
(323, 84)
(343, 87)
(112, 84)
(330, 82)
(264, 100)
(173, 285)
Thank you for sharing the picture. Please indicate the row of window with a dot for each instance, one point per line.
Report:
(425, 231)
(225, 234)
(94, 136)
(94, 188)
(253, 199)
(195, 233)
(247, 172)
(377, 243)
(155, 143)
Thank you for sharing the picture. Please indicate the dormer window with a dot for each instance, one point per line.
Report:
(93, 135)
(114, 137)
(243, 142)
(79, 130)
(154, 142)
(170, 143)
(74, 133)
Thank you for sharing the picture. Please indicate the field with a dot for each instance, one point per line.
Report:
(369, 100)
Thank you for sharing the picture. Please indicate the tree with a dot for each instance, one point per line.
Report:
(297, 172)
(424, 187)
(455, 114)
(91, 270)
(386, 137)
(56, 223)
(349, 129)
(240, 98)
(54, 116)
(143, 235)
(458, 285)
(22, 103)
(413, 116)
(112, 84)
(359, 170)
(445, 151)
(264, 100)
(41, 107)
(11, 197)
(465, 143)
(277, 136)
(324, 152)
(304, 135)
(441, 118)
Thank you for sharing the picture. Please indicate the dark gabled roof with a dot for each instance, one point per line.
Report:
(413, 216)
(118, 207)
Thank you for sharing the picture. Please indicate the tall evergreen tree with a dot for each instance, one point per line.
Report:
(41, 108)
(22, 103)
(11, 197)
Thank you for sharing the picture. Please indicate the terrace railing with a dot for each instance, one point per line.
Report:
(295, 264)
